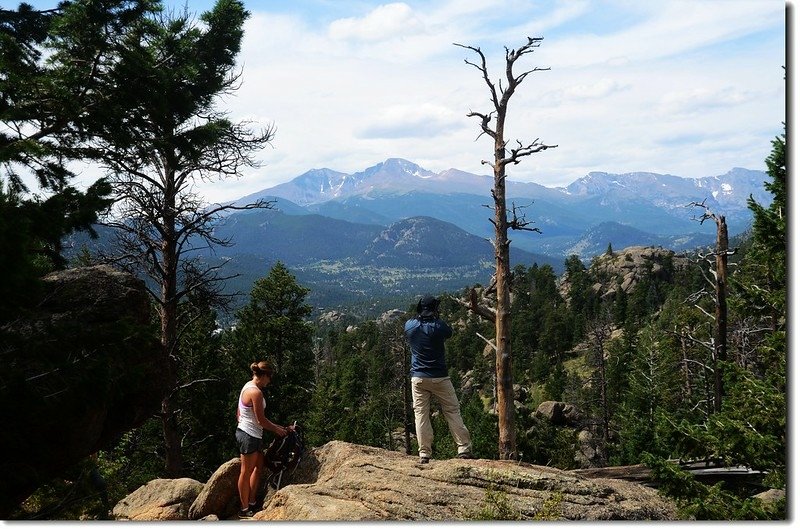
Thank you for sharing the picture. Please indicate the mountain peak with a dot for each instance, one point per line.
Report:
(397, 167)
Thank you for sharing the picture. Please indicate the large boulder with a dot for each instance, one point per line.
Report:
(159, 500)
(559, 413)
(346, 482)
(79, 370)
(219, 496)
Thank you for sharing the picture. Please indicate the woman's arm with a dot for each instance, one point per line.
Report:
(255, 398)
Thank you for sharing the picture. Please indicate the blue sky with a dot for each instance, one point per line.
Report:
(686, 87)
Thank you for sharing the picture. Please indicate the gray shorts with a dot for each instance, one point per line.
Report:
(247, 443)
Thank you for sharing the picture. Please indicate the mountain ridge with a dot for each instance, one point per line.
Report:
(397, 175)
(657, 205)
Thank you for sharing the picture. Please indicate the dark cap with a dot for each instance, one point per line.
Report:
(428, 306)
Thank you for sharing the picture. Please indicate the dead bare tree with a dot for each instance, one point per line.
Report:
(399, 348)
(493, 125)
(698, 375)
(718, 259)
(600, 332)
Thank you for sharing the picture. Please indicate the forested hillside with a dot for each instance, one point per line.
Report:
(661, 359)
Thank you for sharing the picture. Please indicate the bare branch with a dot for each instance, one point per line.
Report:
(190, 384)
(519, 222)
(485, 119)
(488, 341)
(484, 71)
(485, 312)
(701, 309)
(526, 150)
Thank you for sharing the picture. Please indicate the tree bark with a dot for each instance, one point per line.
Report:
(721, 312)
(169, 331)
(507, 442)
(687, 383)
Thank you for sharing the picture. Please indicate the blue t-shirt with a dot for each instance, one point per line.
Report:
(426, 339)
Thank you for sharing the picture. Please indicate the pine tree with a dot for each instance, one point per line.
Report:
(273, 326)
(56, 66)
(169, 135)
(765, 284)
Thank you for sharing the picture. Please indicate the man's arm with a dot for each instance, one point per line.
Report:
(447, 331)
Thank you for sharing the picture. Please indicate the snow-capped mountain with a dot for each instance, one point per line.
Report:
(391, 177)
(730, 190)
(311, 187)
(398, 176)
(318, 186)
(396, 189)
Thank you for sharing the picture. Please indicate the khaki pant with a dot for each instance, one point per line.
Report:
(442, 390)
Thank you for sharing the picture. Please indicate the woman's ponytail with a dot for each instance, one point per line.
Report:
(262, 368)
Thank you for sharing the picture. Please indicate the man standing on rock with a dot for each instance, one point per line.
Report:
(426, 334)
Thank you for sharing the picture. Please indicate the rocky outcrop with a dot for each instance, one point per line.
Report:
(346, 482)
(80, 370)
(391, 315)
(159, 500)
(625, 269)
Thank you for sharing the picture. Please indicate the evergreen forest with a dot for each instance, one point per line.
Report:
(641, 362)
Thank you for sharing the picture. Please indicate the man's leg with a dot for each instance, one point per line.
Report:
(445, 394)
(422, 415)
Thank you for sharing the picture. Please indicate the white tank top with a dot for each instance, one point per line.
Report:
(247, 417)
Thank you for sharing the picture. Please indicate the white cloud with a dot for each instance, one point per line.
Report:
(701, 99)
(411, 121)
(384, 22)
(668, 29)
(596, 90)
(541, 22)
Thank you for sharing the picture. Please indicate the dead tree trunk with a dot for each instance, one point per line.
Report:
(503, 156)
(721, 315)
(407, 408)
(687, 383)
(601, 332)
(402, 355)
(720, 285)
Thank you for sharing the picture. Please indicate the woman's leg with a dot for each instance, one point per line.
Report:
(255, 476)
(248, 463)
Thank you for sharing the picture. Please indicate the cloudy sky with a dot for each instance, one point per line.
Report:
(686, 87)
(691, 88)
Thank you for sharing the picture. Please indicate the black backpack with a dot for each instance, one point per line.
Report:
(284, 453)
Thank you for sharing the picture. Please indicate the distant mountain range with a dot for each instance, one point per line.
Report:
(598, 209)
(396, 230)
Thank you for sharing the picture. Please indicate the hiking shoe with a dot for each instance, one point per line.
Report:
(424, 460)
(246, 513)
(466, 455)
